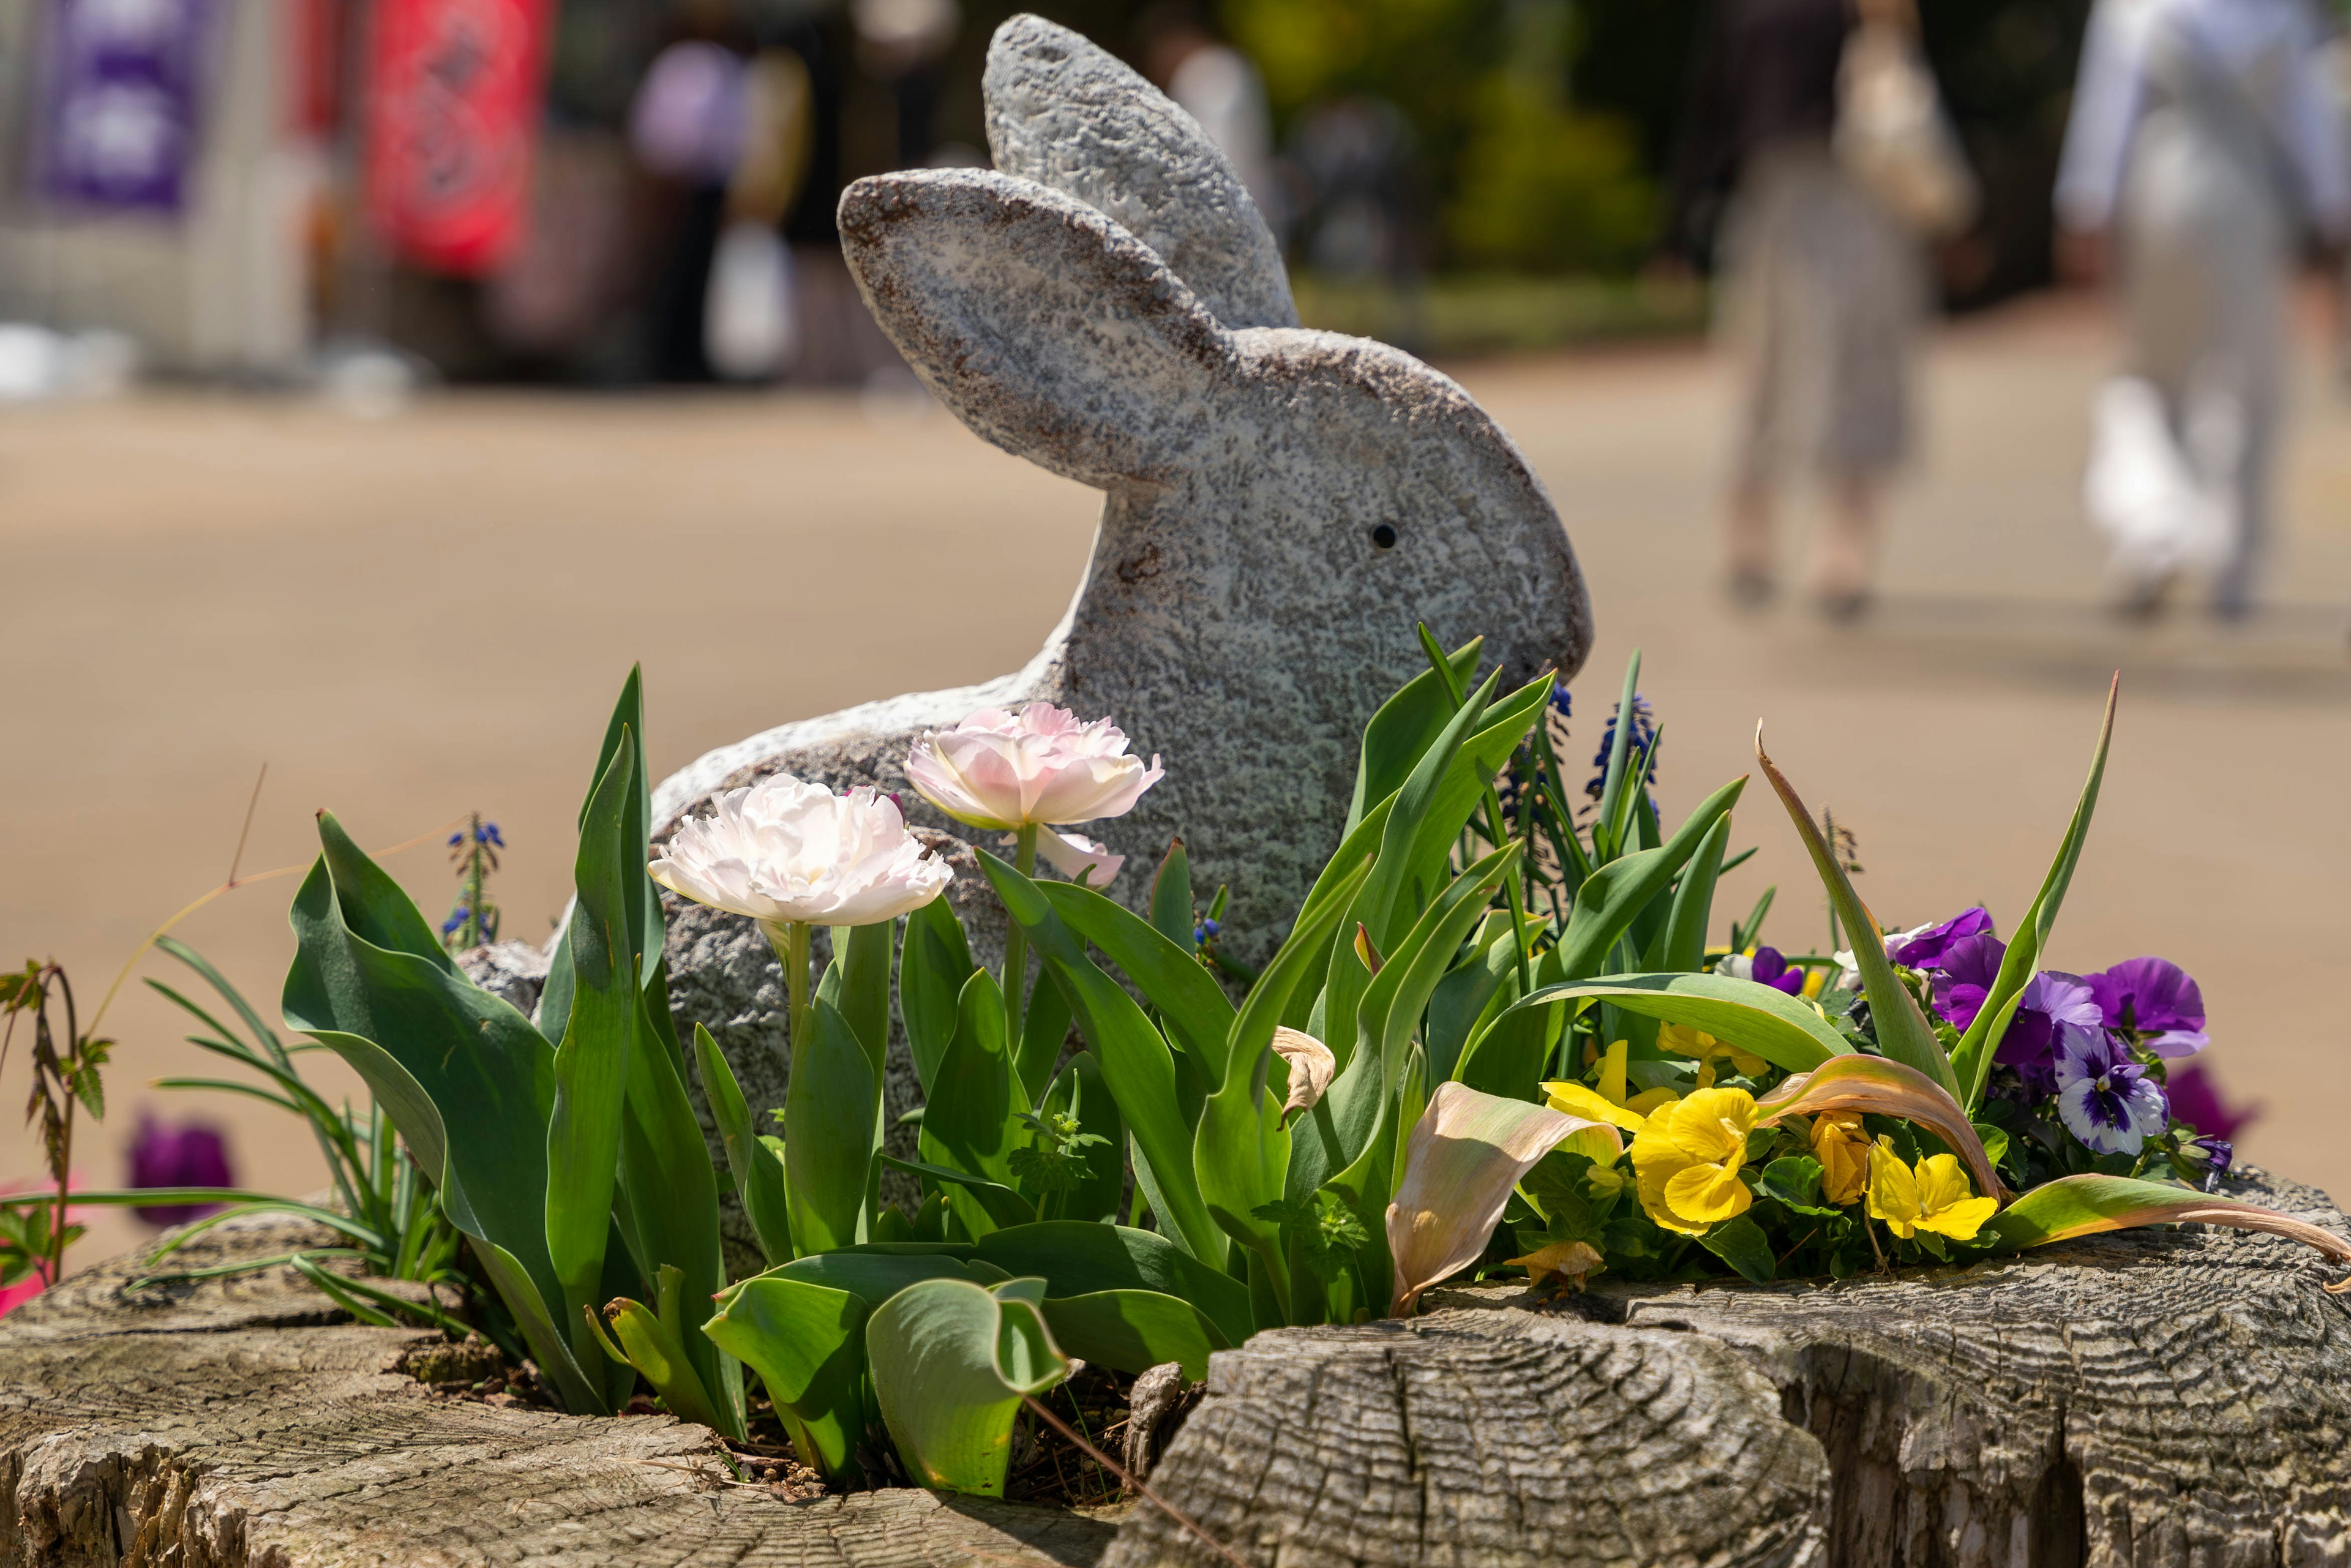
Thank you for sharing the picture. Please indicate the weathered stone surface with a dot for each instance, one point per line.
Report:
(247, 1423)
(2144, 1399)
(1280, 506)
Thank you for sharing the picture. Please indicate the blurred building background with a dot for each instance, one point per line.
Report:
(624, 192)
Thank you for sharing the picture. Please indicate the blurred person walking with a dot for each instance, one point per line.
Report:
(2205, 137)
(1819, 119)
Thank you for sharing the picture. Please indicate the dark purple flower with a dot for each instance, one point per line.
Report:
(2197, 1100)
(2153, 996)
(190, 1155)
(2051, 999)
(1770, 968)
(1968, 966)
(2204, 1160)
(2104, 1098)
(1924, 947)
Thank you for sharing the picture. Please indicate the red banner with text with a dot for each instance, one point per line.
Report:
(453, 110)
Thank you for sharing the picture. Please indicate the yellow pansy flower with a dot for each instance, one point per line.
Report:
(1682, 1039)
(1842, 1149)
(1605, 1103)
(1935, 1196)
(1686, 1157)
(1577, 1099)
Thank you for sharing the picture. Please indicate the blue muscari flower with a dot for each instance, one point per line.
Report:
(1562, 701)
(456, 838)
(1206, 929)
(456, 918)
(489, 835)
(1645, 734)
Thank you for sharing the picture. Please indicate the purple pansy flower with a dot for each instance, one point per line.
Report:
(2153, 996)
(2104, 1097)
(2197, 1100)
(1770, 968)
(165, 1155)
(2050, 1000)
(1968, 968)
(1924, 947)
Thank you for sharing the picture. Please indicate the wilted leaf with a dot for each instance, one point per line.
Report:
(1312, 1067)
(1869, 1083)
(2084, 1204)
(1466, 1153)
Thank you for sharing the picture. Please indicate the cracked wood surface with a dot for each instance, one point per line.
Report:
(247, 1423)
(2143, 1399)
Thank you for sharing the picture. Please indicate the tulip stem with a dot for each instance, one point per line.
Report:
(1016, 948)
(790, 941)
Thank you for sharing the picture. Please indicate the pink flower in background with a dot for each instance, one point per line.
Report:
(1007, 771)
(784, 851)
(188, 1155)
(1072, 853)
(2197, 1100)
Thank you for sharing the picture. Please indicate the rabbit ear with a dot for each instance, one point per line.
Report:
(1050, 329)
(1065, 114)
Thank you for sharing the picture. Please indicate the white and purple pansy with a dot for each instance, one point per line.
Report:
(2104, 1098)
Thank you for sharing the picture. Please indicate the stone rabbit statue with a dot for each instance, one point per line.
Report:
(1281, 506)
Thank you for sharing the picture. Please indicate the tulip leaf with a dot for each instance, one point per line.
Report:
(1971, 1058)
(968, 1123)
(829, 1133)
(1393, 1003)
(1406, 727)
(1616, 892)
(1198, 1015)
(653, 1343)
(758, 1170)
(1077, 1258)
(1135, 1330)
(980, 1203)
(949, 1362)
(857, 982)
(1784, 1030)
(1464, 1154)
(934, 962)
(806, 1339)
(592, 1064)
(1903, 1032)
(1693, 905)
(2084, 1204)
(1136, 1063)
(1887, 1088)
(1605, 844)
(1171, 899)
(1044, 1030)
(1461, 999)
(1507, 1057)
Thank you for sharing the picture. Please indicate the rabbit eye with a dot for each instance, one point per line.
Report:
(1383, 536)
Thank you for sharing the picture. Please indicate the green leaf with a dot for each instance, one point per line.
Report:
(876, 1273)
(458, 1070)
(1391, 1010)
(1405, 728)
(1887, 1088)
(949, 1362)
(592, 1064)
(1971, 1060)
(1693, 907)
(1509, 1057)
(1739, 1242)
(1463, 1157)
(932, 965)
(1612, 773)
(2084, 1204)
(968, 1123)
(1794, 1180)
(1076, 1258)
(1782, 1030)
(828, 1142)
(1461, 999)
(1194, 1007)
(759, 1173)
(980, 1204)
(1044, 1030)
(1171, 899)
(1903, 1032)
(860, 977)
(654, 1345)
(1416, 827)
(1136, 1063)
(1135, 1330)
(1080, 1092)
(1614, 894)
(806, 1340)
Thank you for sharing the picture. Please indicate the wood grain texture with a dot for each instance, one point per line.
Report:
(2143, 1399)
(245, 1424)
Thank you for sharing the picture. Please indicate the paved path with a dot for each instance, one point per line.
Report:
(414, 618)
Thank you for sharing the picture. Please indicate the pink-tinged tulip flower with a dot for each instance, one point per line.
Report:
(1008, 771)
(785, 853)
(1072, 854)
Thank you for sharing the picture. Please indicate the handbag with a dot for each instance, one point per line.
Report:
(1891, 133)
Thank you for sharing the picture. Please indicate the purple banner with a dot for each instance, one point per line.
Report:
(120, 81)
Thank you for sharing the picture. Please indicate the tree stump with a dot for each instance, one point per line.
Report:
(2146, 1398)
(249, 1423)
(2155, 1398)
